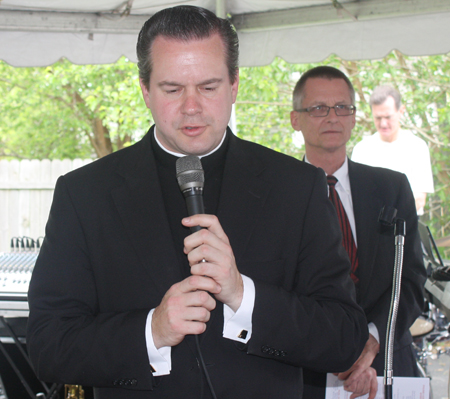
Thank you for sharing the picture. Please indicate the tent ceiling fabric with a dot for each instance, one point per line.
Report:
(39, 32)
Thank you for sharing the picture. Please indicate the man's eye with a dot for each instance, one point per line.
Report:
(318, 107)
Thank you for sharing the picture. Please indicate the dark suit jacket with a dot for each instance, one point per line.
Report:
(107, 259)
(372, 188)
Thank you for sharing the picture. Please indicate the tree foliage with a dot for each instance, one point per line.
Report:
(70, 111)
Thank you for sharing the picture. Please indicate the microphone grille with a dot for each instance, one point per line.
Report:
(189, 170)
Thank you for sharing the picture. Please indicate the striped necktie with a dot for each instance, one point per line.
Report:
(347, 237)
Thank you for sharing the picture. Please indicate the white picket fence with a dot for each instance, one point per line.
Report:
(26, 193)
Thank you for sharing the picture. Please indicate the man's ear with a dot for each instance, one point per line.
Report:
(235, 86)
(295, 121)
(145, 92)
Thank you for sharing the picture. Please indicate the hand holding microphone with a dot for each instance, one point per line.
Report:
(209, 251)
(186, 306)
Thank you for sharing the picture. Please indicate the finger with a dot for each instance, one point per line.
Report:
(196, 313)
(361, 388)
(364, 384)
(207, 250)
(191, 306)
(355, 375)
(344, 375)
(210, 222)
(373, 388)
(198, 299)
(190, 326)
(203, 238)
(199, 283)
(204, 261)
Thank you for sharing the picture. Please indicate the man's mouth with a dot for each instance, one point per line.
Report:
(193, 130)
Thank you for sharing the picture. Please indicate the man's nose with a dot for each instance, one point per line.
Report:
(332, 115)
(191, 104)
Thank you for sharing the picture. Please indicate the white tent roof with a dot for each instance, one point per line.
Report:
(39, 32)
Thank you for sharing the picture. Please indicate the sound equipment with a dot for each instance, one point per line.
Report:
(438, 269)
(15, 275)
(17, 375)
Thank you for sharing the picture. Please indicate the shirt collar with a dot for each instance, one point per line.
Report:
(177, 154)
(341, 175)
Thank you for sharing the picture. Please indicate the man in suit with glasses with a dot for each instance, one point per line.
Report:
(325, 112)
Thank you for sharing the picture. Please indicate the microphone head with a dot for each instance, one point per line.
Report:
(387, 215)
(190, 172)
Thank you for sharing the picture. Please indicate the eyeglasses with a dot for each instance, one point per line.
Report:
(323, 110)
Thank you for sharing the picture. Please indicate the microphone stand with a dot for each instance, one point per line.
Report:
(395, 299)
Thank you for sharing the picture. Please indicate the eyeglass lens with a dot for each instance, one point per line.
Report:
(341, 110)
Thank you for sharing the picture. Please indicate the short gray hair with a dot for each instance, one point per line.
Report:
(323, 72)
(381, 94)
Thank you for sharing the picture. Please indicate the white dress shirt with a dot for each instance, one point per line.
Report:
(344, 190)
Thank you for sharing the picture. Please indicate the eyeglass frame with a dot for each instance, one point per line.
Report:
(353, 109)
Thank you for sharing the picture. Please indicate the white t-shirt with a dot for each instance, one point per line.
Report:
(408, 154)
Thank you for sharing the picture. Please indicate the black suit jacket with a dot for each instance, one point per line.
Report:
(108, 258)
(372, 189)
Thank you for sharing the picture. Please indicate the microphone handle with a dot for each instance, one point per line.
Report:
(194, 207)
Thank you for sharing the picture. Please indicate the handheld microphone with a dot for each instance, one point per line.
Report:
(191, 179)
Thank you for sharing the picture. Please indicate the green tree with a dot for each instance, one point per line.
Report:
(70, 111)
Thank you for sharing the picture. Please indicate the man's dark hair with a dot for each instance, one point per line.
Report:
(186, 23)
(321, 72)
(381, 94)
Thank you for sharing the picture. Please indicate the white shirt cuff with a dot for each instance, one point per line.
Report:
(160, 359)
(238, 326)
(374, 331)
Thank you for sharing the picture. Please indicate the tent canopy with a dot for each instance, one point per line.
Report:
(40, 32)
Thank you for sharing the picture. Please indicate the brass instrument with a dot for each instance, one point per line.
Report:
(74, 392)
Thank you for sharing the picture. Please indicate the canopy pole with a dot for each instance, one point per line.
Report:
(221, 10)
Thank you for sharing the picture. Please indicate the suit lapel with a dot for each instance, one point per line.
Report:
(140, 204)
(366, 207)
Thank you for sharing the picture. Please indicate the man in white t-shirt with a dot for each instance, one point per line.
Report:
(394, 148)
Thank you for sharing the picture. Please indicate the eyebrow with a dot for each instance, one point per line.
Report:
(323, 103)
(203, 83)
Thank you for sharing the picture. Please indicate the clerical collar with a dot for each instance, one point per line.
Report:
(177, 154)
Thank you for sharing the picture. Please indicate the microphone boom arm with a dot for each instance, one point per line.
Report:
(395, 299)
